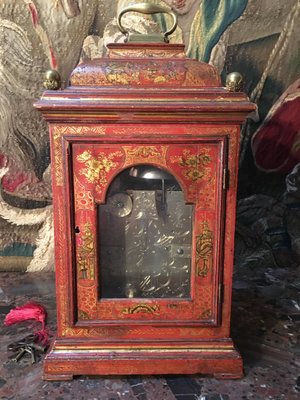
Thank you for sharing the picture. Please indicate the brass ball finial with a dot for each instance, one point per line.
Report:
(52, 80)
(234, 82)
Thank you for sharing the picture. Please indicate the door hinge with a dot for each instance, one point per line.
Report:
(225, 179)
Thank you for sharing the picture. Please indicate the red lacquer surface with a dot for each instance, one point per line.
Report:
(194, 134)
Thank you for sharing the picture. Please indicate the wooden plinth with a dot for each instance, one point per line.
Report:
(64, 361)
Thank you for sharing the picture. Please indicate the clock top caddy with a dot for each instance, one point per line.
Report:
(144, 148)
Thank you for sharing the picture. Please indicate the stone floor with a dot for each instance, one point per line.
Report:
(266, 319)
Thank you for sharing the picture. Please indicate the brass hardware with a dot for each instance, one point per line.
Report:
(234, 82)
(141, 308)
(52, 80)
(147, 8)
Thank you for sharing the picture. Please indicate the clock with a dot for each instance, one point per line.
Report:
(144, 149)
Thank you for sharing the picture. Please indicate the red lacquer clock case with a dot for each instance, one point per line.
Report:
(143, 106)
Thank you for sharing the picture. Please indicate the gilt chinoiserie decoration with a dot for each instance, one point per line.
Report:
(144, 148)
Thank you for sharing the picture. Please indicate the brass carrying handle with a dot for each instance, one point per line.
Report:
(148, 8)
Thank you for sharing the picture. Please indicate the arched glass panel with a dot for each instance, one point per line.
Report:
(145, 236)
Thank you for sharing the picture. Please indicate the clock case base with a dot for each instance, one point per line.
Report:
(218, 358)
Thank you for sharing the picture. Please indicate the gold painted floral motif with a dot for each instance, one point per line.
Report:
(84, 199)
(206, 314)
(140, 130)
(79, 130)
(86, 253)
(150, 154)
(141, 53)
(76, 332)
(121, 73)
(141, 308)
(143, 152)
(195, 165)
(92, 332)
(58, 132)
(83, 315)
(204, 251)
(97, 167)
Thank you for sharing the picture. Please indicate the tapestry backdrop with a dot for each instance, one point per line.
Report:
(258, 38)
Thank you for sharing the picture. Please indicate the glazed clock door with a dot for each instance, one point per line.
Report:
(148, 231)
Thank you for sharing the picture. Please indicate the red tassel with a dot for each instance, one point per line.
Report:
(29, 311)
